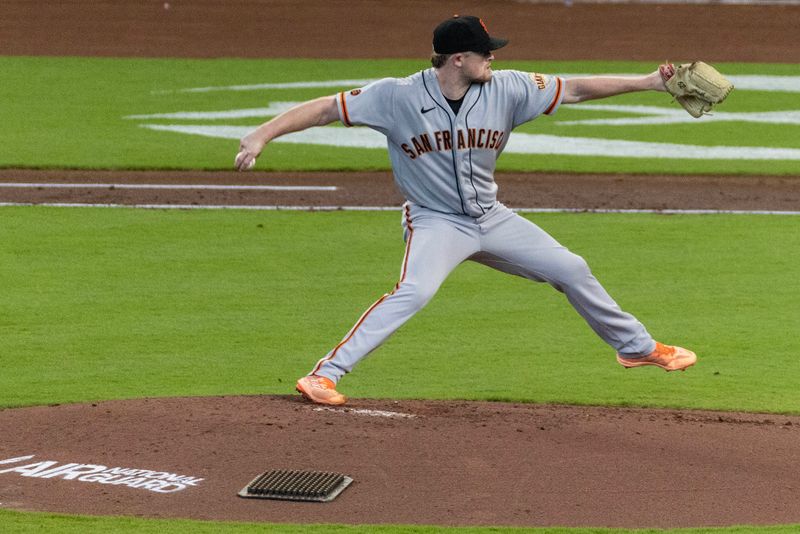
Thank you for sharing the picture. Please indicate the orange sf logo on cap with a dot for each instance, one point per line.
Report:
(484, 26)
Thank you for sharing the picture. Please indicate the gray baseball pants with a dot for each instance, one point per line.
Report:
(436, 243)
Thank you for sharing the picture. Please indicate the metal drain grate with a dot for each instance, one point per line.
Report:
(296, 486)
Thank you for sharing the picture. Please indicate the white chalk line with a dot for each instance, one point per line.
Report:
(652, 115)
(391, 208)
(218, 187)
(364, 411)
(661, 115)
(518, 143)
(272, 85)
(274, 108)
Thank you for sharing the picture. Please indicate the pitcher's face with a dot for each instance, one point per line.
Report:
(477, 66)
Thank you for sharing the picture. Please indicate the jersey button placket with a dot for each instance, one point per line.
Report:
(465, 178)
(462, 166)
(457, 161)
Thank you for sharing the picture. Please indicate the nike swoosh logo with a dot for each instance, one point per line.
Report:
(423, 110)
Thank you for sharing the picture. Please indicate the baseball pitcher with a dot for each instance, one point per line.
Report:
(445, 128)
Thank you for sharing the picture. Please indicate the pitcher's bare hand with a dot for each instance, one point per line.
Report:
(249, 149)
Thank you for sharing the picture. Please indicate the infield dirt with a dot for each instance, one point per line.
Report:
(443, 463)
(417, 462)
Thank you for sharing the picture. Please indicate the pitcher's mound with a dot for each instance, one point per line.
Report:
(420, 462)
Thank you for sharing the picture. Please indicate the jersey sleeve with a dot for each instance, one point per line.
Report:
(372, 105)
(536, 94)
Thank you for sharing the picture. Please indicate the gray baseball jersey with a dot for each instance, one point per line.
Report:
(441, 160)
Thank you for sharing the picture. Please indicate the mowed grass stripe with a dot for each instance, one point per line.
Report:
(86, 103)
(15, 522)
(103, 304)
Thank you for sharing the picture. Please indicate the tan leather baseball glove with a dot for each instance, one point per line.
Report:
(697, 86)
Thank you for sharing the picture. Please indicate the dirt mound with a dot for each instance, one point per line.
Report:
(418, 462)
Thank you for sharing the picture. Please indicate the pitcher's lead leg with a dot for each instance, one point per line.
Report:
(434, 247)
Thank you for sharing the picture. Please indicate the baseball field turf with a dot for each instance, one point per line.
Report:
(127, 303)
(123, 303)
(179, 113)
(16, 522)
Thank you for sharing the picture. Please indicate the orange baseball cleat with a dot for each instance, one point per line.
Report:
(667, 357)
(320, 390)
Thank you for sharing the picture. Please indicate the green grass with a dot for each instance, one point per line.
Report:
(104, 304)
(17, 522)
(69, 112)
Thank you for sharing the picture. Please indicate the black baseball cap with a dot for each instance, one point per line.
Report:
(464, 34)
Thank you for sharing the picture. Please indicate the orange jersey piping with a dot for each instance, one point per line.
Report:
(559, 88)
(345, 115)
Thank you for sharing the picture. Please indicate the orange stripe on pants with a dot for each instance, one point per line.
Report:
(384, 297)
